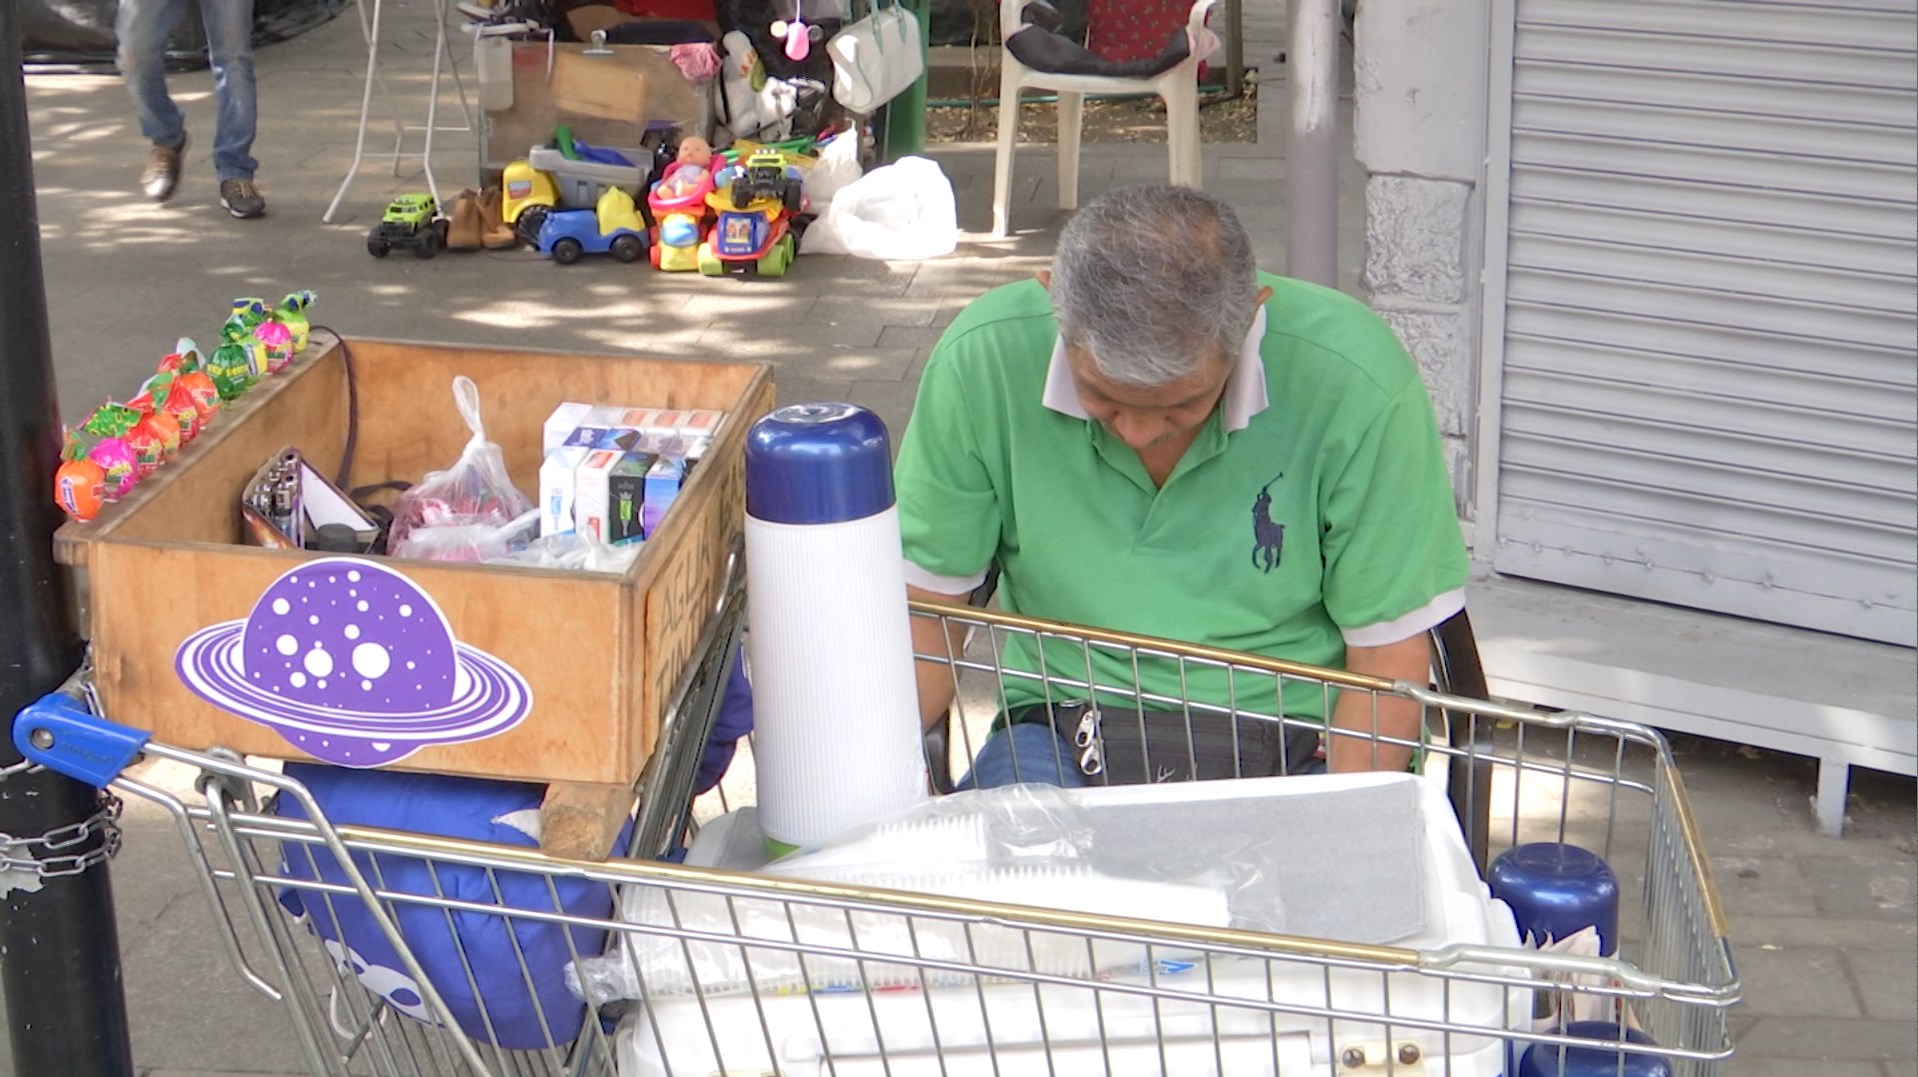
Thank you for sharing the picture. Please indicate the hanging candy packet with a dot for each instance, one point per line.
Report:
(276, 343)
(171, 397)
(115, 455)
(157, 424)
(232, 364)
(292, 312)
(79, 486)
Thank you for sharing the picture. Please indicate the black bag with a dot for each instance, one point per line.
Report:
(1123, 746)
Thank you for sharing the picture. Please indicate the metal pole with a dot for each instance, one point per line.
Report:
(1312, 154)
(906, 114)
(1235, 48)
(59, 945)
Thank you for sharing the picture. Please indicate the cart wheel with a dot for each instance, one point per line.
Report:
(774, 263)
(567, 251)
(628, 249)
(709, 263)
(376, 246)
(427, 244)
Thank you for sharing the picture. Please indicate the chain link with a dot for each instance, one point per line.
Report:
(24, 766)
(16, 854)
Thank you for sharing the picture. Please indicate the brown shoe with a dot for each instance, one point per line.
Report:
(463, 223)
(162, 173)
(494, 231)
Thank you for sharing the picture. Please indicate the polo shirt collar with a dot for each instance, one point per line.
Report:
(1244, 387)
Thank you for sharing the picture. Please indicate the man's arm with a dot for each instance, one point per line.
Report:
(938, 681)
(1409, 659)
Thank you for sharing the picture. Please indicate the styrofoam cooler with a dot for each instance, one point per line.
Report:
(1005, 1029)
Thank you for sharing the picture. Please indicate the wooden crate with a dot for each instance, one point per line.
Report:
(599, 652)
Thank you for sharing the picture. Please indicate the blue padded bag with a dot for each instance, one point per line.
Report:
(512, 1007)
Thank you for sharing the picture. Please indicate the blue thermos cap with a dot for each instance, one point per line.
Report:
(1558, 889)
(1557, 1060)
(818, 464)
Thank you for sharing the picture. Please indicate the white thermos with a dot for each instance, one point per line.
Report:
(836, 738)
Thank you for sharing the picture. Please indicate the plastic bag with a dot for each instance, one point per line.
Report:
(470, 511)
(573, 551)
(836, 169)
(901, 212)
(1354, 858)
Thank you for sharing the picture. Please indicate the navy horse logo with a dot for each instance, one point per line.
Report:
(1268, 535)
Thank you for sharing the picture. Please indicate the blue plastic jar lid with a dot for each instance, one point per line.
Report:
(818, 464)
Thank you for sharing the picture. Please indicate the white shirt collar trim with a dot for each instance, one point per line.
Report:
(1244, 389)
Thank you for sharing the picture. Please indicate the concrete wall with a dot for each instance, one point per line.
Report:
(1420, 70)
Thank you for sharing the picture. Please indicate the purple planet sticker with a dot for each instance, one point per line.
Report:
(353, 664)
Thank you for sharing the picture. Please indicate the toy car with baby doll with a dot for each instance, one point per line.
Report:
(766, 175)
(411, 221)
(680, 208)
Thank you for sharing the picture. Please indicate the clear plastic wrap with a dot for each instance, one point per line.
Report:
(1211, 854)
(469, 512)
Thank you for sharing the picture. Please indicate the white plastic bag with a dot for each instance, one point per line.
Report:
(470, 511)
(901, 212)
(835, 170)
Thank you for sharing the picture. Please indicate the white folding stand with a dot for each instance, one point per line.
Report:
(443, 60)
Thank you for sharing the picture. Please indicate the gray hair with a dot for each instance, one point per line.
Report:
(1153, 282)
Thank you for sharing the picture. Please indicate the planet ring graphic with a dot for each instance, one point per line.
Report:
(354, 665)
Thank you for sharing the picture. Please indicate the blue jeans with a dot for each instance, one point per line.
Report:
(1030, 752)
(143, 27)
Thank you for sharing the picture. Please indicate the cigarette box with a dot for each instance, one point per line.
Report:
(662, 489)
(557, 490)
(560, 425)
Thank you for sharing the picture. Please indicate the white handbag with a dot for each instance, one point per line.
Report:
(876, 58)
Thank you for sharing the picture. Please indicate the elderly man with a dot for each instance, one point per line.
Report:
(1157, 438)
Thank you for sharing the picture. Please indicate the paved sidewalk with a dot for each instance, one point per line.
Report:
(1825, 929)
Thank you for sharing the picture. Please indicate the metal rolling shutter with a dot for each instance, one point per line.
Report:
(1711, 307)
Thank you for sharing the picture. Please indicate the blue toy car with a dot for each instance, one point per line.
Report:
(614, 229)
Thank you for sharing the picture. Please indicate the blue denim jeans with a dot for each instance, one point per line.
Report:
(1026, 752)
(143, 27)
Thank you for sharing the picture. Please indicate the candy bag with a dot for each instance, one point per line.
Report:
(170, 396)
(473, 505)
(162, 427)
(292, 312)
(276, 343)
(232, 364)
(79, 486)
(120, 465)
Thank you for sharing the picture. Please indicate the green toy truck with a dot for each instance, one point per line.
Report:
(411, 220)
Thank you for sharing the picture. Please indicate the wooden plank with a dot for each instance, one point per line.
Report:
(580, 821)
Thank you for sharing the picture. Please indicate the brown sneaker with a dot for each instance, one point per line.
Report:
(241, 198)
(162, 173)
(494, 231)
(463, 223)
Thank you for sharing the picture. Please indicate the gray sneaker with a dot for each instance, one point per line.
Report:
(241, 198)
(162, 173)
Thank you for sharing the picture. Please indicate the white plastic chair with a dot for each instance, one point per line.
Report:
(1178, 88)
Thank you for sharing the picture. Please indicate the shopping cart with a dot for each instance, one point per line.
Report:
(867, 981)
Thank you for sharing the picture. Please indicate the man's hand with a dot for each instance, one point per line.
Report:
(938, 681)
(1377, 716)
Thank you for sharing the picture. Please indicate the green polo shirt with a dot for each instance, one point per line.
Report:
(1313, 510)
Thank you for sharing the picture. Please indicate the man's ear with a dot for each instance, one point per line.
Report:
(1044, 277)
